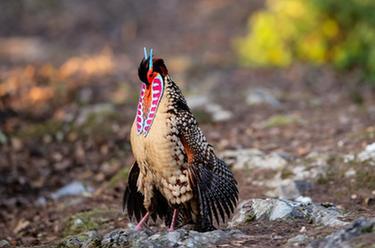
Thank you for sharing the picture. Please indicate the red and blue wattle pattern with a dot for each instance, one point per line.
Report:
(139, 116)
(144, 125)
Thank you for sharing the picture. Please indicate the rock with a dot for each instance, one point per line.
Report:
(215, 110)
(3, 138)
(252, 158)
(4, 243)
(262, 96)
(218, 113)
(90, 239)
(300, 239)
(197, 101)
(178, 238)
(100, 110)
(72, 189)
(123, 238)
(350, 173)
(273, 209)
(342, 237)
(368, 155)
(348, 158)
(287, 189)
(304, 199)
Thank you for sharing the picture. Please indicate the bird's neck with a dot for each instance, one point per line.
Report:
(149, 99)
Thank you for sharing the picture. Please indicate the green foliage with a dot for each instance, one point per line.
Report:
(337, 32)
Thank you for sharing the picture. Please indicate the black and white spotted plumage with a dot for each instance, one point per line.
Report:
(214, 189)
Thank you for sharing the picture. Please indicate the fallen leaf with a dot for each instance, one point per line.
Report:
(22, 224)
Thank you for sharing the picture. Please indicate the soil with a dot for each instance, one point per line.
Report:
(41, 102)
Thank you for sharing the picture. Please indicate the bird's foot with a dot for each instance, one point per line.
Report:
(174, 218)
(139, 226)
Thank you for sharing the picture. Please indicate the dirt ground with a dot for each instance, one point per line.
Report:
(68, 89)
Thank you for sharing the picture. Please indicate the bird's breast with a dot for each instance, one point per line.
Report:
(161, 154)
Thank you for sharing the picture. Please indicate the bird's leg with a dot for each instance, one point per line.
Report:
(174, 218)
(138, 227)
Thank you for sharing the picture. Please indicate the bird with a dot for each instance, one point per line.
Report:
(176, 176)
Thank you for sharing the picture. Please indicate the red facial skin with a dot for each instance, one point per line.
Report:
(148, 96)
(151, 75)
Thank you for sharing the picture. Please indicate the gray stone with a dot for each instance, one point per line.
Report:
(367, 155)
(217, 112)
(99, 110)
(3, 138)
(124, 238)
(300, 239)
(292, 189)
(4, 243)
(287, 189)
(262, 96)
(253, 158)
(273, 209)
(88, 239)
(72, 189)
(197, 101)
(178, 238)
(342, 237)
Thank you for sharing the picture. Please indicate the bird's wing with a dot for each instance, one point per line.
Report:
(133, 199)
(209, 176)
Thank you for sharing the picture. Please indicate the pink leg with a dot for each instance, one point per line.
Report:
(143, 220)
(174, 218)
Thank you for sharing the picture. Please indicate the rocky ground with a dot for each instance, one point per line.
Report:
(300, 140)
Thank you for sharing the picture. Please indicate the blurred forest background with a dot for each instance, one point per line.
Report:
(290, 76)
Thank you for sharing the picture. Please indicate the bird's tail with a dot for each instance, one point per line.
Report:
(217, 193)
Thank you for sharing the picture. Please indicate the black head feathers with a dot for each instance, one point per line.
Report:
(158, 66)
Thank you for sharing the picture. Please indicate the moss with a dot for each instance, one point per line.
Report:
(368, 133)
(86, 221)
(121, 175)
(356, 97)
(281, 121)
(97, 124)
(365, 176)
(203, 116)
(250, 217)
(40, 129)
(286, 173)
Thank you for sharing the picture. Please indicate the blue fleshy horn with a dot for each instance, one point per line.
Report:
(150, 63)
(145, 52)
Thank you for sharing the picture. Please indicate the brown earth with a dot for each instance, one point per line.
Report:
(82, 54)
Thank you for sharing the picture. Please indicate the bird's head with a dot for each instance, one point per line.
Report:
(150, 68)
